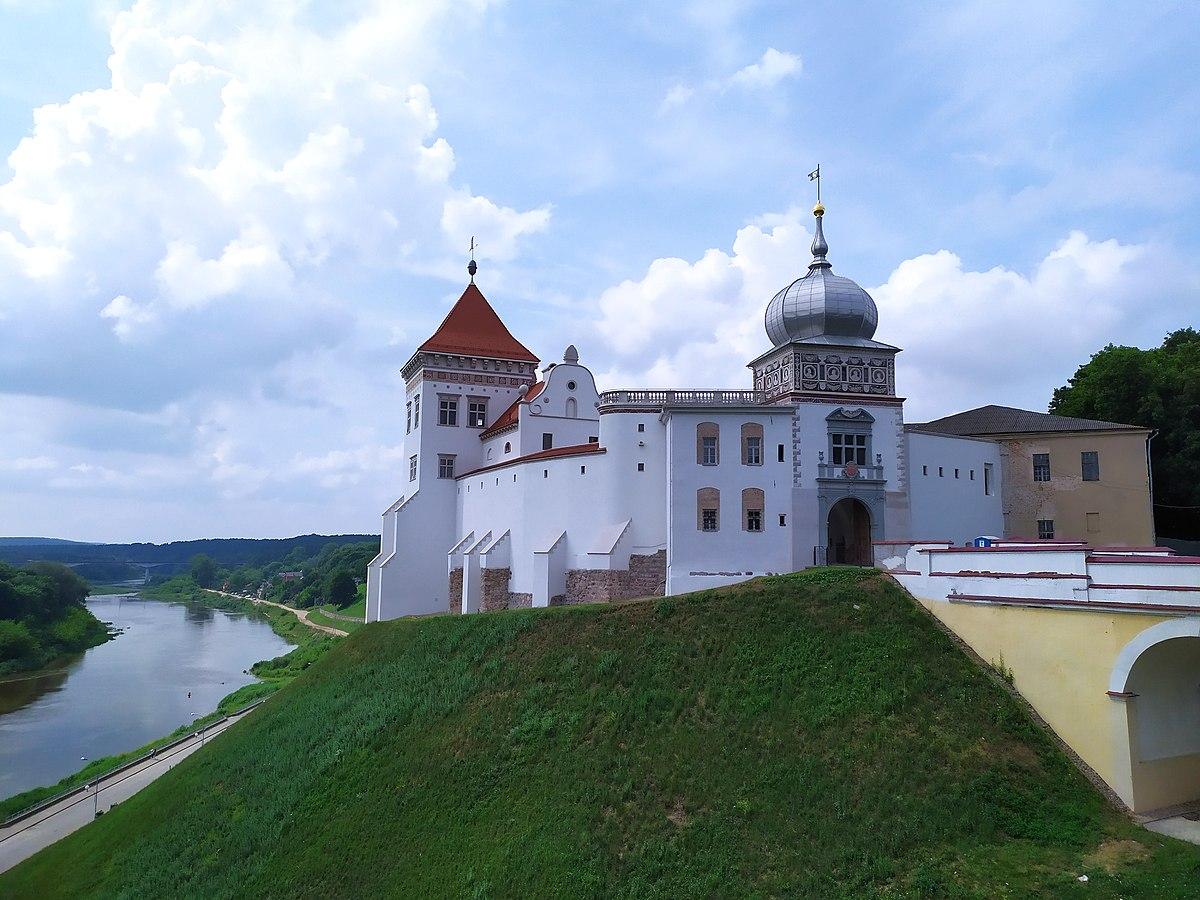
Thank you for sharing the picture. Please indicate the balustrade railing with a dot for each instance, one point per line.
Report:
(850, 471)
(682, 398)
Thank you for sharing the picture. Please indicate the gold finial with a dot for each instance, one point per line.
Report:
(818, 210)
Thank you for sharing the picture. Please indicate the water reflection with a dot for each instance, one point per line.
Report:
(171, 663)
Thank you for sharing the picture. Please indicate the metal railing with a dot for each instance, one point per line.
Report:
(656, 398)
(843, 555)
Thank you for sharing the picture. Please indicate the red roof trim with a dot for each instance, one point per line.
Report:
(1061, 548)
(508, 418)
(1144, 587)
(553, 453)
(971, 574)
(1123, 558)
(472, 328)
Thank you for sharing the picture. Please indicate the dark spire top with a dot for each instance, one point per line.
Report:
(471, 267)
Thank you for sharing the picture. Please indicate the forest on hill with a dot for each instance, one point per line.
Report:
(42, 616)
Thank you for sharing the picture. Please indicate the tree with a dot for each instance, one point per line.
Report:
(1159, 389)
(68, 588)
(203, 570)
(341, 589)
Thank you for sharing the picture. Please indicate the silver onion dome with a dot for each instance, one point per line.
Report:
(820, 303)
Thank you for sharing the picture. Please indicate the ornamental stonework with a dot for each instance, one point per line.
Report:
(835, 371)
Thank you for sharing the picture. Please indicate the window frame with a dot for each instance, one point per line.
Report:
(448, 410)
(477, 412)
(1041, 470)
(1092, 456)
(412, 467)
(1045, 529)
(446, 465)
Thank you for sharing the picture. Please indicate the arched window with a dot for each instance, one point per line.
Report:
(572, 411)
(508, 447)
(708, 444)
(752, 444)
(708, 509)
(752, 509)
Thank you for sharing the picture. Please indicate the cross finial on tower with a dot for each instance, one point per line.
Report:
(471, 267)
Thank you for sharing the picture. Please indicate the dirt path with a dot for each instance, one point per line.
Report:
(301, 614)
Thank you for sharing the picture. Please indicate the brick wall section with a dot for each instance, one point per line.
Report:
(455, 591)
(495, 589)
(520, 601)
(647, 575)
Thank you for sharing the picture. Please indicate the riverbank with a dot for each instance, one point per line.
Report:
(307, 647)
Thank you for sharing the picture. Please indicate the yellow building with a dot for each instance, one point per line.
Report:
(1065, 478)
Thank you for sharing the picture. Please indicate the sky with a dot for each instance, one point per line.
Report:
(225, 227)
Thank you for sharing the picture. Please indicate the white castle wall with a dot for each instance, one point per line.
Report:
(948, 507)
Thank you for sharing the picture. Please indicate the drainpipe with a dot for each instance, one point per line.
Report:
(1150, 476)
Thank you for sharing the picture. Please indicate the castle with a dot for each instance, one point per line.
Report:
(530, 491)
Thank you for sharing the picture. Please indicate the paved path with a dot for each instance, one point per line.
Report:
(24, 838)
(301, 614)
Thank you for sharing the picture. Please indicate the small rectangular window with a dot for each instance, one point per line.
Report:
(1041, 467)
(1090, 462)
(987, 479)
(754, 451)
(754, 520)
(972, 474)
(417, 411)
(708, 520)
(412, 468)
(408, 417)
(477, 412)
(956, 473)
(545, 473)
(547, 440)
(448, 411)
(708, 456)
(593, 439)
(783, 519)
(641, 426)
(781, 452)
(1045, 529)
(924, 470)
(641, 467)
(445, 466)
(582, 470)
(941, 472)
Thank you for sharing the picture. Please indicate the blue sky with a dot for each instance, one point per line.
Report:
(223, 227)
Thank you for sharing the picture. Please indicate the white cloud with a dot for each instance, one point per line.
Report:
(970, 337)
(772, 68)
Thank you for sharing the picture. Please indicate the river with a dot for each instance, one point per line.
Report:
(128, 691)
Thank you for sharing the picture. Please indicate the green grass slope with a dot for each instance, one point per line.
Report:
(807, 735)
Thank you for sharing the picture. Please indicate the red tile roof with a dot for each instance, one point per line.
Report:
(508, 418)
(472, 328)
(573, 450)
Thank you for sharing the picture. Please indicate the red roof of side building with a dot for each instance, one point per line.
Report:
(573, 450)
(508, 418)
(472, 328)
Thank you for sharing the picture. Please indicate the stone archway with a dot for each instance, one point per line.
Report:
(848, 537)
(1156, 677)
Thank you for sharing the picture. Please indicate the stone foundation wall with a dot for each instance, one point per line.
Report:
(647, 575)
(593, 585)
(455, 594)
(520, 601)
(495, 589)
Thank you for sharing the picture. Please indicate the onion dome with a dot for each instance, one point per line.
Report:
(821, 303)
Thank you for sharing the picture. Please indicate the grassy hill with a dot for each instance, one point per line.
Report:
(806, 735)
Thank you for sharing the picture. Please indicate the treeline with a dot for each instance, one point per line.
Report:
(227, 552)
(331, 575)
(42, 616)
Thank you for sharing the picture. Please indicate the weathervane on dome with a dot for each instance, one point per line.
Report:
(815, 175)
(471, 267)
(819, 246)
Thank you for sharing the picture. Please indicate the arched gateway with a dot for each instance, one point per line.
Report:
(849, 533)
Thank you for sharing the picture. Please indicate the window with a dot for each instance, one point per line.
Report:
(781, 452)
(752, 444)
(593, 439)
(448, 411)
(508, 447)
(545, 473)
(641, 426)
(547, 440)
(582, 470)
(477, 412)
(572, 408)
(1093, 522)
(708, 444)
(445, 465)
(972, 474)
(752, 509)
(412, 468)
(1045, 529)
(987, 479)
(924, 470)
(708, 509)
(641, 467)
(1041, 467)
(570, 385)
(849, 448)
(941, 472)
(417, 411)
(408, 417)
(956, 473)
(783, 520)
(1090, 462)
